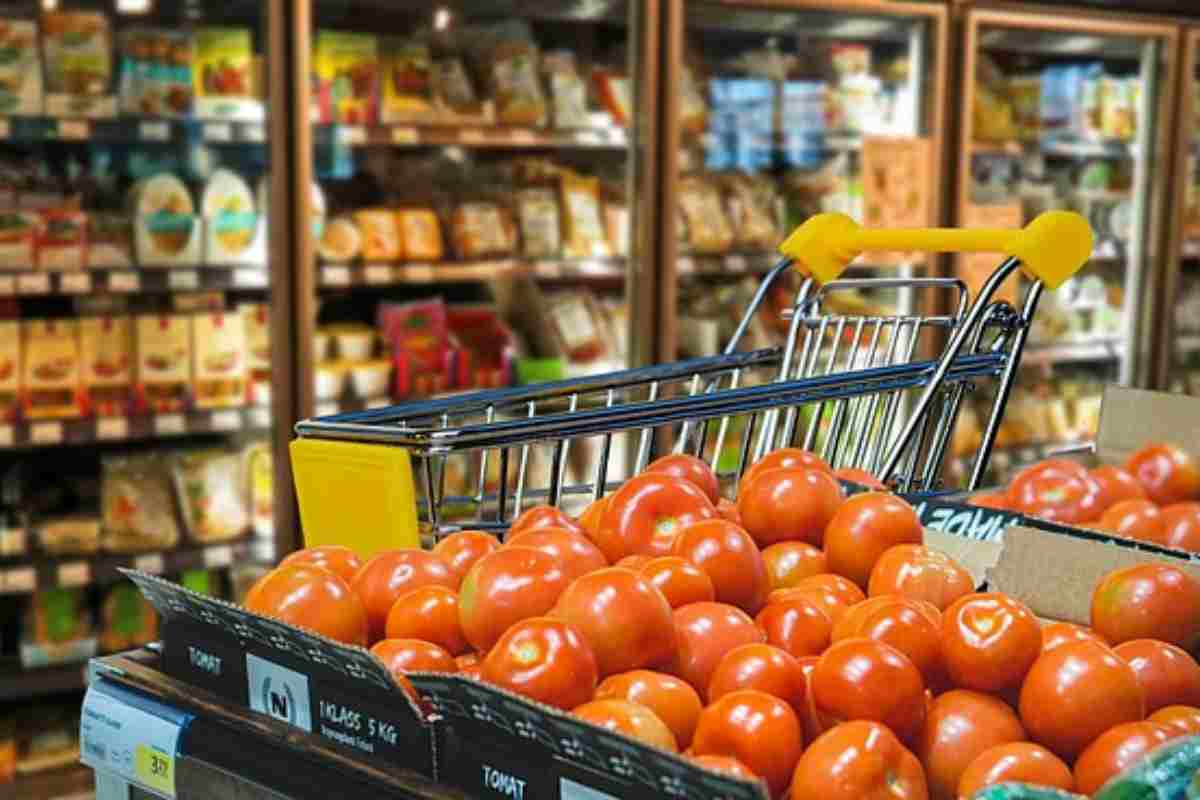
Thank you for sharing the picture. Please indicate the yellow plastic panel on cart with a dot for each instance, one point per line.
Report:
(1051, 248)
(355, 494)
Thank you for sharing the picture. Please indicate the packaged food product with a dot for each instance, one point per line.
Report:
(407, 74)
(1091, 112)
(753, 226)
(109, 240)
(137, 504)
(616, 95)
(537, 212)
(578, 326)
(20, 68)
(354, 342)
(693, 110)
(218, 360)
(223, 73)
(421, 233)
(568, 94)
(256, 319)
(859, 96)
(57, 616)
(369, 379)
(453, 88)
(380, 234)
(107, 348)
(75, 534)
(18, 239)
(164, 220)
(211, 495)
(416, 334)
(164, 351)
(341, 241)
(616, 228)
(1025, 91)
(51, 353)
(483, 347)
(78, 53)
(849, 59)
(154, 75)
(127, 619)
(583, 232)
(347, 77)
(62, 240)
(10, 368)
(1119, 102)
(516, 90)
(708, 228)
(481, 229)
(227, 205)
(260, 476)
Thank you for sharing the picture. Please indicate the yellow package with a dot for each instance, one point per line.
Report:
(164, 365)
(10, 368)
(708, 226)
(421, 233)
(584, 235)
(380, 233)
(219, 359)
(52, 383)
(107, 344)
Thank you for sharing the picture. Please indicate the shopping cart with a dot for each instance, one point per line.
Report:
(857, 388)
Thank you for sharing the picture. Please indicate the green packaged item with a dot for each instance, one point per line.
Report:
(1166, 773)
(1023, 791)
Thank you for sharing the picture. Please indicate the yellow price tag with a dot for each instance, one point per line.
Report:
(154, 769)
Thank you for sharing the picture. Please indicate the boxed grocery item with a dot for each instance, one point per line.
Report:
(260, 480)
(346, 78)
(137, 503)
(511, 66)
(538, 217)
(10, 369)
(256, 318)
(18, 239)
(480, 229)
(416, 334)
(212, 496)
(482, 347)
(154, 73)
(379, 230)
(57, 629)
(706, 226)
(109, 241)
(167, 231)
(164, 352)
(234, 232)
(568, 93)
(62, 240)
(421, 232)
(406, 72)
(78, 51)
(69, 534)
(578, 327)
(223, 73)
(20, 68)
(127, 620)
(107, 347)
(583, 230)
(218, 360)
(52, 375)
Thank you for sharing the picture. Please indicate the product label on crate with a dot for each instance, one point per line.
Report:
(278, 692)
(972, 522)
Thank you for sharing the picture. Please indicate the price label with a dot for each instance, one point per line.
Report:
(471, 136)
(123, 282)
(404, 135)
(19, 581)
(335, 276)
(260, 418)
(131, 736)
(418, 273)
(46, 433)
(76, 573)
(74, 129)
(735, 263)
(250, 278)
(154, 769)
(255, 133)
(8, 284)
(112, 428)
(377, 274)
(170, 424)
(215, 557)
(151, 563)
(588, 137)
(520, 136)
(352, 135)
(228, 420)
(33, 283)
(155, 131)
(5, 129)
(183, 279)
(6, 435)
(75, 283)
(217, 132)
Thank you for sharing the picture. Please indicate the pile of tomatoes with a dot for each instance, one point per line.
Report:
(1154, 497)
(794, 636)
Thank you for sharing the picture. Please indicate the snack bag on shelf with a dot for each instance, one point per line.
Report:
(109, 241)
(154, 74)
(578, 327)
(260, 488)
(617, 227)
(347, 77)
(212, 498)
(406, 72)
(511, 65)
(421, 231)
(416, 334)
(164, 353)
(1025, 92)
(18, 239)
(538, 216)
(482, 347)
(62, 240)
(708, 227)
(380, 233)
(70, 534)
(52, 375)
(992, 111)
(10, 369)
(21, 69)
(256, 318)
(218, 360)
(107, 345)
(568, 94)
(583, 232)
(1119, 99)
(56, 618)
(455, 92)
(753, 225)
(138, 507)
(616, 95)
(482, 229)
(223, 73)
(78, 52)
(127, 620)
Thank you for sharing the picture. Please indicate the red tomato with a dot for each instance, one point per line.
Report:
(674, 701)
(341, 561)
(704, 632)
(797, 625)
(860, 477)
(996, 500)
(1076, 692)
(1015, 762)
(826, 597)
(864, 679)
(689, 468)
(786, 458)
(1116, 485)
(388, 575)
(812, 723)
(989, 641)
(544, 659)
(1134, 519)
(726, 765)
(1148, 601)
(788, 504)
(473, 671)
(543, 516)
(1181, 526)
(1056, 492)
(1168, 474)
(858, 761)
(728, 556)
(1184, 720)
(757, 729)
(1116, 750)
(865, 527)
(915, 571)
(647, 513)
(312, 598)
(851, 621)
(762, 667)
(635, 563)
(461, 550)
(789, 562)
(634, 720)
(505, 587)
(1168, 675)
(1023, 489)
(960, 726)
(575, 555)
(1059, 633)
(910, 631)
(468, 660)
(680, 581)
(591, 517)
(429, 613)
(728, 510)
(402, 656)
(845, 590)
(625, 620)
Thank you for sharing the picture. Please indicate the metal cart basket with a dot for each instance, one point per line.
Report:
(854, 388)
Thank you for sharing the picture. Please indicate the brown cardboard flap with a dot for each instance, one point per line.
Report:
(975, 555)
(1132, 418)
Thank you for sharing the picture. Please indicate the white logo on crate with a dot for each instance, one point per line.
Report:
(279, 692)
(502, 782)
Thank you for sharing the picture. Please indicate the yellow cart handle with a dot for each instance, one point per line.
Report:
(1051, 248)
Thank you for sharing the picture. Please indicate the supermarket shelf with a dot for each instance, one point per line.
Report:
(40, 572)
(1101, 350)
(75, 782)
(473, 136)
(1055, 146)
(146, 280)
(729, 264)
(52, 433)
(343, 276)
(138, 130)
(19, 684)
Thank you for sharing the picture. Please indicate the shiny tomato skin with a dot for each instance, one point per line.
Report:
(461, 550)
(1168, 675)
(1181, 526)
(1074, 693)
(626, 621)
(402, 656)
(798, 625)
(680, 581)
(635, 563)
(1116, 484)
(786, 458)
(1167, 473)
(858, 760)
(845, 590)
(543, 516)
(763, 667)
(429, 613)
(1116, 750)
(961, 725)
(1134, 519)
(811, 723)
(634, 720)
(826, 598)
(381, 581)
(312, 598)
(726, 765)
(646, 514)
(850, 622)
(692, 469)
(1184, 720)
(544, 659)
(789, 504)
(505, 587)
(341, 561)
(589, 519)
(914, 570)
(910, 631)
(1148, 601)
(790, 562)
(674, 701)
(729, 557)
(989, 641)
(1023, 488)
(993, 500)
(1019, 762)
(1059, 633)
(704, 632)
(860, 477)
(864, 528)
(1057, 490)
(757, 729)
(863, 679)
(575, 555)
